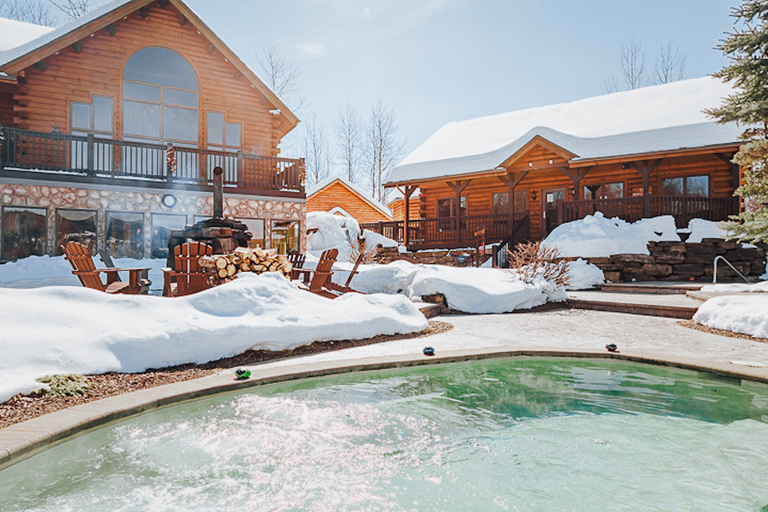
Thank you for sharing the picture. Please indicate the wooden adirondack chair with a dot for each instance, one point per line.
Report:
(186, 277)
(344, 288)
(83, 267)
(321, 275)
(297, 263)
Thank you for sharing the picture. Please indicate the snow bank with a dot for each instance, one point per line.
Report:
(735, 288)
(467, 289)
(332, 231)
(78, 330)
(583, 275)
(745, 314)
(38, 271)
(701, 229)
(596, 236)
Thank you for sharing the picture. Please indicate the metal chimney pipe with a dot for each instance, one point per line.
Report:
(218, 193)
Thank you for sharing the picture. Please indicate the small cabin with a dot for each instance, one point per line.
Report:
(339, 196)
(111, 126)
(517, 176)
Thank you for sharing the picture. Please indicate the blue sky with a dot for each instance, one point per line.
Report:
(436, 61)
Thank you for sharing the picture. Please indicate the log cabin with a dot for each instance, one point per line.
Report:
(339, 196)
(516, 176)
(111, 126)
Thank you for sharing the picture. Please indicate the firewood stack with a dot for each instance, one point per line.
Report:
(222, 268)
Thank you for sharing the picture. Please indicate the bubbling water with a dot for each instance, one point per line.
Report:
(530, 434)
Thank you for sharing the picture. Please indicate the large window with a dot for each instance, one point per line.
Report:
(162, 224)
(76, 225)
(256, 227)
(447, 207)
(24, 232)
(285, 236)
(160, 97)
(694, 186)
(604, 191)
(125, 234)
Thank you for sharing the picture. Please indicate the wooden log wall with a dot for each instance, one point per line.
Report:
(338, 195)
(95, 64)
(6, 104)
(542, 175)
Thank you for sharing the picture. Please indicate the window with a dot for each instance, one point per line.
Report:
(222, 137)
(24, 232)
(694, 186)
(501, 202)
(447, 207)
(285, 236)
(162, 225)
(160, 97)
(256, 227)
(604, 191)
(125, 237)
(95, 118)
(78, 226)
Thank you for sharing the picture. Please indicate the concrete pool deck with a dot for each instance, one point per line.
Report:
(557, 333)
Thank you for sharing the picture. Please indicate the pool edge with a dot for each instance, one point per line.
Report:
(26, 439)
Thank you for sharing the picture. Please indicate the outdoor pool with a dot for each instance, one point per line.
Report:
(513, 434)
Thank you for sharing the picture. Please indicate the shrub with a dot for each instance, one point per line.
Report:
(533, 259)
(63, 385)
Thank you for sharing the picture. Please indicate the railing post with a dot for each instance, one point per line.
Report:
(239, 169)
(3, 145)
(90, 158)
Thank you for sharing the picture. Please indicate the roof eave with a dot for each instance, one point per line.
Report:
(715, 148)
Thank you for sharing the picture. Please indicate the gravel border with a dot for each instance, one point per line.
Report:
(24, 407)
(699, 327)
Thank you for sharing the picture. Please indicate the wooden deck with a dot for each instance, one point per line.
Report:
(125, 161)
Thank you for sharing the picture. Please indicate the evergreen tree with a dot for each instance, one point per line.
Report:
(747, 49)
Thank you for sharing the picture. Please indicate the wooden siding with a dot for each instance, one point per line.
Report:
(6, 103)
(543, 175)
(44, 97)
(338, 195)
(398, 208)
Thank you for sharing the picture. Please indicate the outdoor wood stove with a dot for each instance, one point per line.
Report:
(224, 235)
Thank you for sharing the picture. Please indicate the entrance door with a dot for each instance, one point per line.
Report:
(549, 208)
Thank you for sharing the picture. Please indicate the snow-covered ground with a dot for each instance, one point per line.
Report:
(77, 330)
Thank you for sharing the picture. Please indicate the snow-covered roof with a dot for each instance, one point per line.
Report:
(42, 38)
(330, 180)
(16, 33)
(652, 119)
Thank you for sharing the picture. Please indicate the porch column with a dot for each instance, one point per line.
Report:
(511, 180)
(407, 193)
(458, 187)
(576, 176)
(645, 170)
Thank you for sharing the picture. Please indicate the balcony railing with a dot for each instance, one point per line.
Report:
(450, 232)
(119, 159)
(632, 209)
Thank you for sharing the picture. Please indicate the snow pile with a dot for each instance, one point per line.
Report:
(467, 289)
(701, 229)
(335, 231)
(583, 275)
(327, 231)
(78, 330)
(735, 288)
(596, 236)
(745, 314)
(38, 271)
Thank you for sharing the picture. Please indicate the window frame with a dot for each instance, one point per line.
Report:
(56, 232)
(3, 211)
(685, 185)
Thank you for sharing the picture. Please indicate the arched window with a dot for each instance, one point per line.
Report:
(160, 98)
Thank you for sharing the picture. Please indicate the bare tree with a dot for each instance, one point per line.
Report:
(348, 138)
(670, 64)
(281, 76)
(72, 8)
(610, 85)
(30, 11)
(315, 146)
(382, 147)
(632, 64)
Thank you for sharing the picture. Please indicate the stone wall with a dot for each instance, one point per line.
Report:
(452, 257)
(147, 201)
(679, 261)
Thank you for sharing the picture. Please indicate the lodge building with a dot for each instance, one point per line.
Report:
(111, 126)
(516, 176)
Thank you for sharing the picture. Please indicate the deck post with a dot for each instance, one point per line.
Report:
(511, 180)
(89, 164)
(407, 193)
(645, 170)
(458, 187)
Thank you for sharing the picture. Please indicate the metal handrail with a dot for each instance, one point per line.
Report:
(714, 273)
